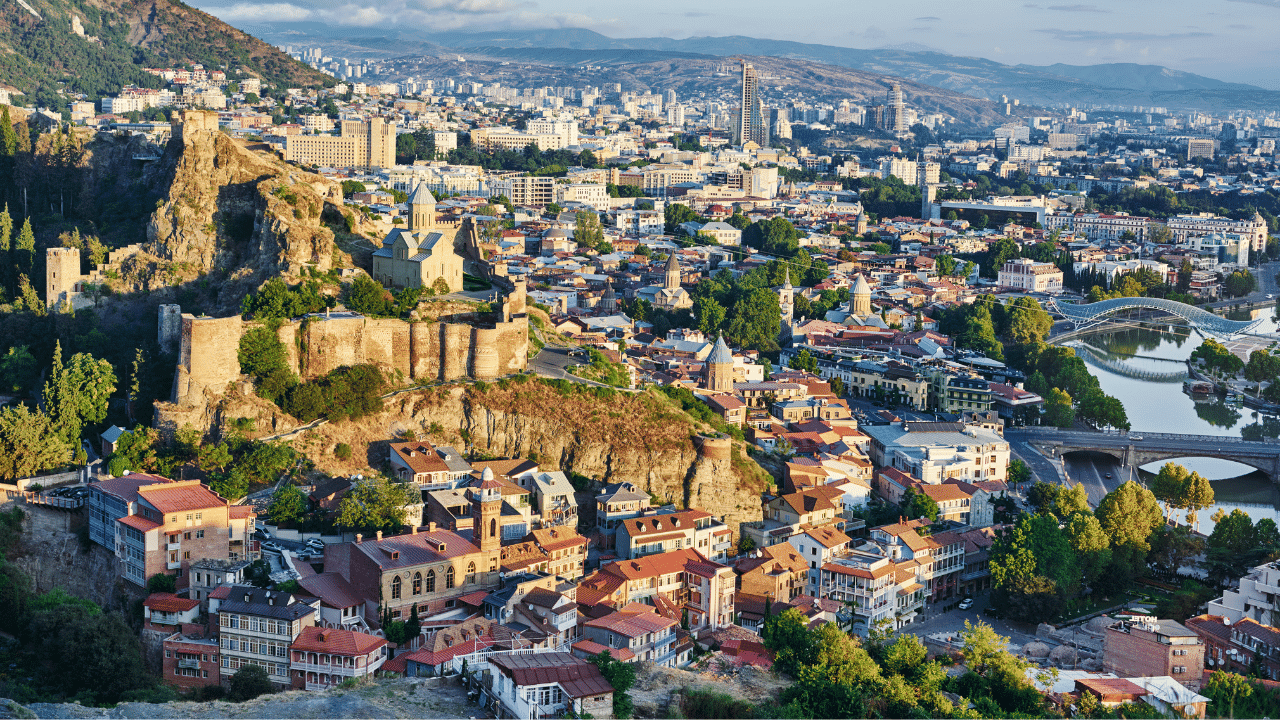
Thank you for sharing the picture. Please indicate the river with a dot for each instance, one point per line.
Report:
(1144, 368)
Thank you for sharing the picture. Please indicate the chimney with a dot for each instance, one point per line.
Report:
(359, 538)
(413, 530)
(379, 536)
(431, 527)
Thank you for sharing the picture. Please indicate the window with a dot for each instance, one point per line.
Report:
(431, 581)
(198, 516)
(199, 534)
(448, 578)
(189, 517)
(417, 583)
(471, 572)
(395, 588)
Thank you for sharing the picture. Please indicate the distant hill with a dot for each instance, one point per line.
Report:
(39, 53)
(1116, 83)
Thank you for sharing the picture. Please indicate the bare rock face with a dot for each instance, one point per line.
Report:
(237, 210)
(633, 438)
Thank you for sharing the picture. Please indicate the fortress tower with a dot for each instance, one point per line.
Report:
(62, 276)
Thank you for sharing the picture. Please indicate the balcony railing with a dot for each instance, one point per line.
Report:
(330, 669)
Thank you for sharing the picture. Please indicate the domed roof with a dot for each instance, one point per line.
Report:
(1036, 650)
(486, 475)
(608, 292)
(720, 354)
(555, 233)
(861, 286)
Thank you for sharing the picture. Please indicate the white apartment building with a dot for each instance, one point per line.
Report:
(594, 195)
(818, 546)
(526, 190)
(257, 626)
(937, 451)
(1097, 226)
(1258, 597)
(1184, 227)
(901, 168)
(1115, 268)
(1031, 276)
(878, 588)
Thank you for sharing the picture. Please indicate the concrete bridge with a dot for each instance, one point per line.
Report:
(1136, 449)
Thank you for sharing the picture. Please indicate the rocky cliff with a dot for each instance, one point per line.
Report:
(606, 435)
(211, 212)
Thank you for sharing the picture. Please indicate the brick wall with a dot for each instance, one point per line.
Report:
(1138, 653)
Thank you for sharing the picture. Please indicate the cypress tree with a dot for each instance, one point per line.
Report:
(6, 252)
(26, 249)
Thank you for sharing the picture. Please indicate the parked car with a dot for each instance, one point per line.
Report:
(1136, 438)
(966, 603)
(272, 547)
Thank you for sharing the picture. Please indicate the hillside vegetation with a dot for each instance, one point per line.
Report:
(41, 55)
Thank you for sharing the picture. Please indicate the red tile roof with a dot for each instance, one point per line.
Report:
(576, 676)
(652, 565)
(332, 589)
(139, 523)
(168, 602)
(416, 549)
(126, 487)
(239, 512)
(632, 623)
(438, 657)
(180, 497)
(336, 641)
(592, 649)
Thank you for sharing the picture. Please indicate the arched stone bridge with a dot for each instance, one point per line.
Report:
(1154, 447)
(1084, 315)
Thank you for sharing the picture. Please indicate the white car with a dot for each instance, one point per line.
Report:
(271, 547)
(966, 603)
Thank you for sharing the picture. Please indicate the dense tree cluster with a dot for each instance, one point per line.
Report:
(1038, 570)
(837, 675)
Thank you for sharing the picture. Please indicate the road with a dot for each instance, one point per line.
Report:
(1098, 472)
(552, 360)
(951, 623)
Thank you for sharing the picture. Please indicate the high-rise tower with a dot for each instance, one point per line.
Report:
(751, 126)
(895, 111)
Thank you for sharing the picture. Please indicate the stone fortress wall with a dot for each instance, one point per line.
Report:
(450, 348)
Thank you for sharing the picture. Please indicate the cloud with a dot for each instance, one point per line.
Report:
(478, 7)
(1238, 26)
(1123, 37)
(270, 12)
(1078, 8)
(930, 18)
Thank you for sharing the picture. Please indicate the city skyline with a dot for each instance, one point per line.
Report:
(1181, 35)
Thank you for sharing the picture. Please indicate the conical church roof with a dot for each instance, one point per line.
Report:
(422, 196)
(720, 354)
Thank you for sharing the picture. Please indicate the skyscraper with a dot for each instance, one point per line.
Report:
(895, 111)
(750, 125)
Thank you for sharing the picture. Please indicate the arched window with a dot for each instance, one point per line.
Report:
(471, 572)
(493, 528)
(417, 583)
(448, 578)
(395, 588)
(431, 581)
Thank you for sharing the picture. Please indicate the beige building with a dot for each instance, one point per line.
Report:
(1031, 276)
(421, 255)
(369, 144)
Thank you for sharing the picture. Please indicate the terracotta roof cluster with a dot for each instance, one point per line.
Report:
(633, 622)
(420, 456)
(590, 649)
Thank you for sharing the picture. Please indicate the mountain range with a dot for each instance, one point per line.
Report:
(1058, 85)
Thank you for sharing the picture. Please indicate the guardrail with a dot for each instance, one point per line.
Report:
(1145, 436)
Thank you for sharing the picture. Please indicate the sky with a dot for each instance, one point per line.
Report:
(1225, 39)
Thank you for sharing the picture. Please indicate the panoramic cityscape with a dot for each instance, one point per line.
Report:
(475, 359)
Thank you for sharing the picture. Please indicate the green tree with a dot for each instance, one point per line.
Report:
(917, 505)
(787, 635)
(289, 504)
(710, 314)
(804, 361)
(29, 443)
(249, 682)
(77, 393)
(25, 251)
(376, 504)
(621, 677)
(108, 656)
(1072, 500)
(1019, 473)
(1057, 409)
(6, 252)
(162, 582)
(1090, 543)
(1043, 496)
(18, 370)
(1228, 687)
(367, 297)
(904, 656)
(1028, 322)
(587, 231)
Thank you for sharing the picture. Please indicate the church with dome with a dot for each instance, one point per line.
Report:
(422, 254)
(858, 313)
(669, 295)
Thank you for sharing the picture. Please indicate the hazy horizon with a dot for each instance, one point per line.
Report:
(1177, 34)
